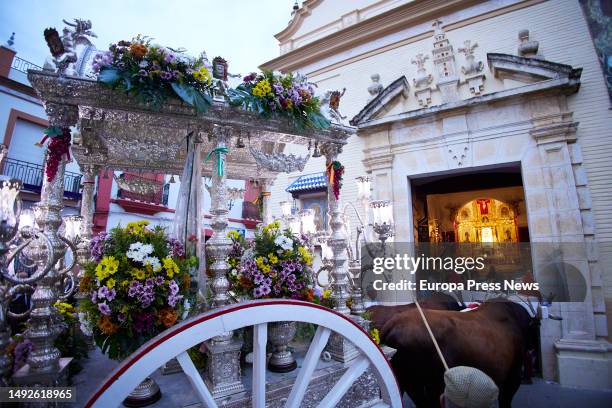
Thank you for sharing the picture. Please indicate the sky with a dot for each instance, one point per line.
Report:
(241, 31)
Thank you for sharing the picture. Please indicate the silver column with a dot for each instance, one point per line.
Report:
(223, 364)
(340, 348)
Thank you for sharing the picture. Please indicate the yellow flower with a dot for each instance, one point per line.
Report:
(137, 227)
(107, 266)
(170, 266)
(273, 259)
(326, 293)
(262, 88)
(306, 255)
(202, 75)
(265, 268)
(124, 283)
(260, 261)
(110, 283)
(138, 274)
(64, 308)
(375, 334)
(233, 235)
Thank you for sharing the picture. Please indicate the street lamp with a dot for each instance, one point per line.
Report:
(382, 213)
(11, 282)
(285, 208)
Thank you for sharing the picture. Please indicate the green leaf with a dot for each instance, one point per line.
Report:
(192, 96)
(109, 76)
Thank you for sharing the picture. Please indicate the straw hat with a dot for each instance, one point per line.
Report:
(469, 387)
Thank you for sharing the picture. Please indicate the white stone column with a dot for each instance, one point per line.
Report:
(556, 220)
(266, 185)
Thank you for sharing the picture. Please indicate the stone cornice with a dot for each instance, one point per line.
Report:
(297, 20)
(566, 84)
(398, 87)
(385, 23)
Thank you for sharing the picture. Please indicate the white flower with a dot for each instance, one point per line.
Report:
(154, 262)
(187, 307)
(284, 242)
(85, 324)
(147, 249)
(139, 251)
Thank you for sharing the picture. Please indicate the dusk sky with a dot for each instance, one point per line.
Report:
(241, 31)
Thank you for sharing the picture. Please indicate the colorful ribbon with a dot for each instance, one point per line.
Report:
(220, 151)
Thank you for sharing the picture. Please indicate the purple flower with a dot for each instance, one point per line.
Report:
(159, 280)
(97, 245)
(169, 57)
(94, 296)
(257, 292)
(102, 292)
(102, 59)
(111, 295)
(258, 279)
(150, 282)
(174, 245)
(143, 73)
(174, 288)
(104, 309)
(249, 77)
(173, 299)
(121, 317)
(166, 75)
(176, 73)
(143, 322)
(278, 89)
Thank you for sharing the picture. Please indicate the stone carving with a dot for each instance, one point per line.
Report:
(458, 153)
(63, 49)
(422, 80)
(375, 87)
(527, 47)
(444, 61)
(471, 66)
(472, 69)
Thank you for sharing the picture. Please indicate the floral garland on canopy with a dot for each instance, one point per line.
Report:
(136, 287)
(275, 264)
(287, 95)
(152, 73)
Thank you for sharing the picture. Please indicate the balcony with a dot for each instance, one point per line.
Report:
(250, 214)
(31, 175)
(144, 203)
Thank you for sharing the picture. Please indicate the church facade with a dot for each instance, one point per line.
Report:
(481, 122)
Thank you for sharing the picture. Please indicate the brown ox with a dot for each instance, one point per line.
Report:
(491, 338)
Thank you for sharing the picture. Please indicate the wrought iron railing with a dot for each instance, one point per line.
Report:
(22, 65)
(159, 196)
(31, 175)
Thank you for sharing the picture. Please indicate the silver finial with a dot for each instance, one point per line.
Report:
(11, 40)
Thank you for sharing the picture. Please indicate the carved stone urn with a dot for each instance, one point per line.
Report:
(280, 335)
(146, 393)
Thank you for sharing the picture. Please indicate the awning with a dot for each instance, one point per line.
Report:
(308, 182)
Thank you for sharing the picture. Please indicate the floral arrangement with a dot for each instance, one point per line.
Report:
(275, 264)
(137, 286)
(70, 342)
(152, 73)
(334, 172)
(287, 95)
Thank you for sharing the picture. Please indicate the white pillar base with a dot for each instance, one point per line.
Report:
(584, 364)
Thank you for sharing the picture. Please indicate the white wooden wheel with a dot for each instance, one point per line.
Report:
(175, 341)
